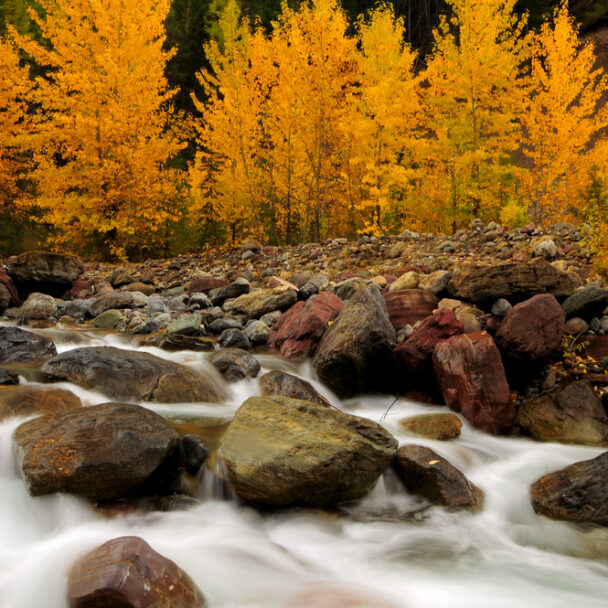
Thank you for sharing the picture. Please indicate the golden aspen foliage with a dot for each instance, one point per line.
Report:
(562, 122)
(102, 145)
(382, 127)
(473, 98)
(15, 124)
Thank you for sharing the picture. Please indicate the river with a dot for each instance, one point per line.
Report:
(384, 552)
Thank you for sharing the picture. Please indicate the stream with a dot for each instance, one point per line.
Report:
(385, 551)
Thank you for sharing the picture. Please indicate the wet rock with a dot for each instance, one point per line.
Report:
(127, 374)
(413, 354)
(234, 338)
(297, 333)
(573, 414)
(235, 364)
(8, 376)
(533, 329)
(177, 342)
(257, 332)
(38, 307)
(513, 281)
(472, 379)
(578, 492)
(257, 303)
(33, 400)
(109, 319)
(281, 452)
(586, 303)
(127, 573)
(233, 290)
(194, 453)
(45, 272)
(355, 353)
(433, 426)
(18, 345)
(287, 385)
(101, 452)
(426, 474)
(187, 325)
(406, 307)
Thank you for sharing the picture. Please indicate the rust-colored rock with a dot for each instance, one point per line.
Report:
(31, 400)
(126, 572)
(533, 329)
(406, 306)
(206, 284)
(472, 380)
(433, 426)
(297, 333)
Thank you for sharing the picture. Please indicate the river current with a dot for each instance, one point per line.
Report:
(385, 551)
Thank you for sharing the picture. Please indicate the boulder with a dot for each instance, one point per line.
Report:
(257, 303)
(127, 374)
(578, 492)
(257, 332)
(433, 426)
(234, 338)
(355, 353)
(43, 271)
(33, 401)
(298, 331)
(281, 452)
(235, 364)
(101, 452)
(472, 380)
(532, 330)
(408, 280)
(233, 290)
(126, 572)
(109, 319)
(18, 345)
(435, 281)
(573, 414)
(425, 473)
(586, 303)
(414, 353)
(117, 300)
(8, 377)
(193, 453)
(38, 307)
(187, 325)
(407, 306)
(286, 385)
(513, 281)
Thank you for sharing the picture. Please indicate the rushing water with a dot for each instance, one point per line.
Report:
(383, 552)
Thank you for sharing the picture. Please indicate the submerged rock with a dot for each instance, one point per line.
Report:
(127, 374)
(433, 426)
(127, 573)
(18, 345)
(281, 452)
(102, 452)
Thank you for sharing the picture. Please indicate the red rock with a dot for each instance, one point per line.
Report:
(533, 329)
(595, 347)
(278, 282)
(82, 288)
(297, 333)
(472, 380)
(10, 288)
(205, 284)
(406, 306)
(414, 352)
(127, 572)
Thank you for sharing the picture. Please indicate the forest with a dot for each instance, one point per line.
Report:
(134, 128)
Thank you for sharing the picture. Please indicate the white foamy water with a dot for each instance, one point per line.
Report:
(383, 552)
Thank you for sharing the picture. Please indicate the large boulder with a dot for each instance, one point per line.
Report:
(532, 330)
(102, 452)
(34, 400)
(18, 345)
(257, 303)
(407, 306)
(280, 452)
(38, 307)
(586, 303)
(571, 415)
(126, 572)
(43, 271)
(287, 385)
(127, 374)
(297, 332)
(472, 380)
(425, 473)
(355, 353)
(513, 281)
(577, 493)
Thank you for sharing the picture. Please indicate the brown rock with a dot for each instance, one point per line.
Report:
(472, 380)
(33, 400)
(286, 385)
(533, 329)
(8, 292)
(427, 474)
(433, 426)
(407, 306)
(297, 333)
(206, 284)
(126, 572)
(257, 303)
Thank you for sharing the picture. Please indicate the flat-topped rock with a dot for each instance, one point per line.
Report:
(19, 346)
(35, 400)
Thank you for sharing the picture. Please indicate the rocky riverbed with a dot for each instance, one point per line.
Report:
(505, 331)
